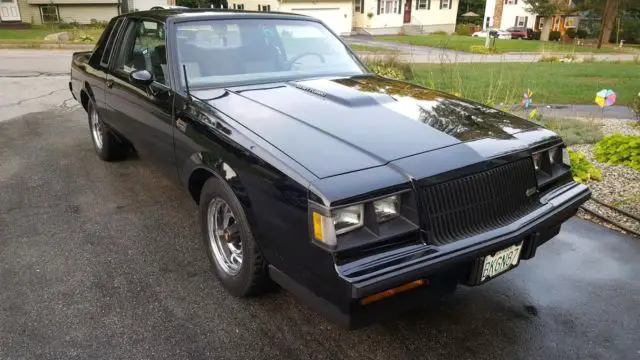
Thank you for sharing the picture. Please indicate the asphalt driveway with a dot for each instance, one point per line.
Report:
(104, 261)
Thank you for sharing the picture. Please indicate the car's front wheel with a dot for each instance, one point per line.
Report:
(236, 258)
(106, 144)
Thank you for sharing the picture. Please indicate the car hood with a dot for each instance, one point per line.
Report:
(339, 125)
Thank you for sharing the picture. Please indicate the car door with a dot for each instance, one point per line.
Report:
(142, 113)
(98, 67)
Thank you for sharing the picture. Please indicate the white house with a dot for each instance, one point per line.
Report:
(503, 14)
(390, 16)
(21, 12)
(367, 16)
(141, 5)
(335, 13)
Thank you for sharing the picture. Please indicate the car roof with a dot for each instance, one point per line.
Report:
(187, 14)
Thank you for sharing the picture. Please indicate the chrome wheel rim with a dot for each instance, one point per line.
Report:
(224, 236)
(96, 129)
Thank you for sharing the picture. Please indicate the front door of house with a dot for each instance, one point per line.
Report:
(407, 11)
(9, 10)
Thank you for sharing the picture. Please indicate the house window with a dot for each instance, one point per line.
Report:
(521, 21)
(445, 4)
(511, 2)
(540, 23)
(423, 4)
(49, 13)
(358, 6)
(264, 8)
(388, 6)
(238, 6)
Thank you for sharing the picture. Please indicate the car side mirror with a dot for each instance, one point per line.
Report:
(141, 77)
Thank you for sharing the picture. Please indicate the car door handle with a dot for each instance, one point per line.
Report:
(109, 84)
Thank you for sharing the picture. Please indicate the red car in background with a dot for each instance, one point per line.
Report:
(520, 33)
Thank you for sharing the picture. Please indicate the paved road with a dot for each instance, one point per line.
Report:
(104, 260)
(424, 54)
(21, 63)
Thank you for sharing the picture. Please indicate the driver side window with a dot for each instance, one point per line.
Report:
(144, 48)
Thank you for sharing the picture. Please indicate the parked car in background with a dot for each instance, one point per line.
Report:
(484, 33)
(360, 194)
(520, 33)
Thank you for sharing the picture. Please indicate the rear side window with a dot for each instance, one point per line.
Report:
(106, 55)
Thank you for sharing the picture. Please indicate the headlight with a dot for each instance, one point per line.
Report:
(343, 220)
(565, 157)
(347, 219)
(555, 155)
(349, 226)
(537, 161)
(551, 164)
(387, 209)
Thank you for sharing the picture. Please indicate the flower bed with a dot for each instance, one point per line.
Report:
(620, 185)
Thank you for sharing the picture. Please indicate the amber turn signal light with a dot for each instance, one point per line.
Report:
(391, 292)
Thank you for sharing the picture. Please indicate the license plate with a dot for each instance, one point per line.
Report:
(500, 262)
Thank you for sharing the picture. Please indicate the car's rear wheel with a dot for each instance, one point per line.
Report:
(106, 144)
(234, 254)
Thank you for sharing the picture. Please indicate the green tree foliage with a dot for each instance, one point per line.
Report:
(476, 6)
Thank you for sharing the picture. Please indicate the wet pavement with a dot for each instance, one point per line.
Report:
(104, 261)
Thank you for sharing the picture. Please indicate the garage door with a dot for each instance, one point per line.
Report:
(333, 17)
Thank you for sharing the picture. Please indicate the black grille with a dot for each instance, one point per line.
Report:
(477, 203)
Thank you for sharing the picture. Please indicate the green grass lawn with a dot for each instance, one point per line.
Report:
(551, 83)
(36, 34)
(464, 43)
(371, 49)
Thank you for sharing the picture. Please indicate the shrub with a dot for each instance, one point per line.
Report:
(582, 34)
(390, 67)
(463, 30)
(439, 33)
(480, 49)
(582, 169)
(572, 131)
(619, 149)
(536, 35)
(549, 59)
(86, 38)
(554, 36)
(98, 24)
(635, 106)
(571, 33)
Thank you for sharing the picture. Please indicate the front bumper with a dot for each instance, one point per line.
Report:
(439, 266)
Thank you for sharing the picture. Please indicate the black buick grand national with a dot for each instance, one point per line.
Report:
(357, 193)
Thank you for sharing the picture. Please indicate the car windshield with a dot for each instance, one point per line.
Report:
(241, 51)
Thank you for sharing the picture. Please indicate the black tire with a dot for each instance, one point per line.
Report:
(110, 148)
(252, 278)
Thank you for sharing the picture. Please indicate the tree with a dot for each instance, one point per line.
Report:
(608, 18)
(545, 8)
